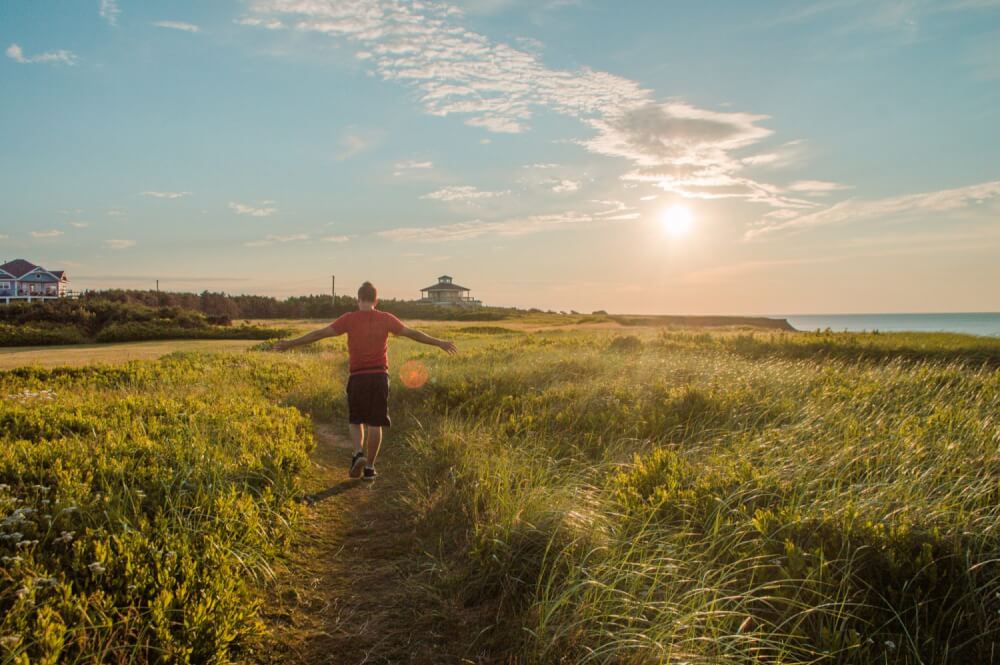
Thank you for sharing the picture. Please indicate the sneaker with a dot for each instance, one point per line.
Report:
(369, 473)
(357, 463)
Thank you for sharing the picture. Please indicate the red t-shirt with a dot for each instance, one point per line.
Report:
(367, 339)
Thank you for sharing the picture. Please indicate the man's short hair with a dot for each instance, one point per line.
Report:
(367, 293)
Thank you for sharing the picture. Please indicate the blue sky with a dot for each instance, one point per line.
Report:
(826, 155)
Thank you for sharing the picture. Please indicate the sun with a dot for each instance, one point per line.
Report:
(677, 220)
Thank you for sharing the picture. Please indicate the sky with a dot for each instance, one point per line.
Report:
(807, 156)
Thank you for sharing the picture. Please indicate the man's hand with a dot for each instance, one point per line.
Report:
(448, 347)
(281, 345)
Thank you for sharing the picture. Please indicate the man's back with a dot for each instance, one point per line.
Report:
(367, 339)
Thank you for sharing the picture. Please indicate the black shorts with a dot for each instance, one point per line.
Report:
(368, 399)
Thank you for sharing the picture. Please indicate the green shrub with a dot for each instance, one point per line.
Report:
(140, 506)
(39, 335)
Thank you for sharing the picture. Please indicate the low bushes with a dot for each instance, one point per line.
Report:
(140, 506)
(78, 322)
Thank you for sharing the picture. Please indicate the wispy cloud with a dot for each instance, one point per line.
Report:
(78, 225)
(165, 195)
(355, 142)
(518, 226)
(116, 243)
(255, 22)
(562, 186)
(177, 25)
(272, 239)
(338, 239)
(854, 210)
(109, 11)
(261, 209)
(16, 53)
(3, 237)
(816, 186)
(402, 168)
(462, 193)
(54, 233)
(496, 86)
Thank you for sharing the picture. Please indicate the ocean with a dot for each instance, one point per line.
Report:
(973, 323)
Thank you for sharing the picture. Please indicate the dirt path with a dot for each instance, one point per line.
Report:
(343, 594)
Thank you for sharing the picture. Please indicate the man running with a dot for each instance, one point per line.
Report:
(368, 385)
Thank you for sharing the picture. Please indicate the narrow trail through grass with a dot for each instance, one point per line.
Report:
(342, 594)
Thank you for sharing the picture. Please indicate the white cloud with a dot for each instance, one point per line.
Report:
(411, 165)
(272, 239)
(541, 166)
(116, 212)
(254, 22)
(816, 186)
(109, 11)
(78, 225)
(265, 209)
(560, 186)
(518, 226)
(3, 237)
(455, 71)
(177, 25)
(335, 238)
(853, 210)
(15, 53)
(119, 244)
(54, 233)
(355, 143)
(165, 195)
(462, 193)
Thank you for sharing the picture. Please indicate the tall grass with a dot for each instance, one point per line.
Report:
(699, 498)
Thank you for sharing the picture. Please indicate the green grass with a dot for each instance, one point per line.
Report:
(693, 498)
(141, 506)
(574, 495)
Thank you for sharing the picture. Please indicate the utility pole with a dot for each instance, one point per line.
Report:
(333, 289)
(157, 286)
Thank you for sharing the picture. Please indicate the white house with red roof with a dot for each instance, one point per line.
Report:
(23, 280)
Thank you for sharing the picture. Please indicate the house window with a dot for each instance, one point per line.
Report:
(4, 286)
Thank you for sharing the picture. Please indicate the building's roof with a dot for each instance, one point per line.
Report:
(445, 287)
(58, 273)
(18, 267)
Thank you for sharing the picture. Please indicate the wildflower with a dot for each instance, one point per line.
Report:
(4, 487)
(890, 645)
(65, 537)
(46, 581)
(27, 543)
(96, 567)
(21, 593)
(10, 559)
(10, 641)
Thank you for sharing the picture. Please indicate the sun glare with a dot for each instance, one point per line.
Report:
(677, 220)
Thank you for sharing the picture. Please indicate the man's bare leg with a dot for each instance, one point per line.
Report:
(357, 437)
(374, 441)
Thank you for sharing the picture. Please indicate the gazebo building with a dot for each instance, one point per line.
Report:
(446, 292)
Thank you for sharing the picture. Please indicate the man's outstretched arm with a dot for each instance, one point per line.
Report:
(424, 338)
(308, 338)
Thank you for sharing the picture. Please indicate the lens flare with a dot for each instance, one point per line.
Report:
(413, 374)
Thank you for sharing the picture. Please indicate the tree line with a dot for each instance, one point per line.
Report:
(295, 307)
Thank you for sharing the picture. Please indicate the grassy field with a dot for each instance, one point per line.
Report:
(78, 355)
(574, 494)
